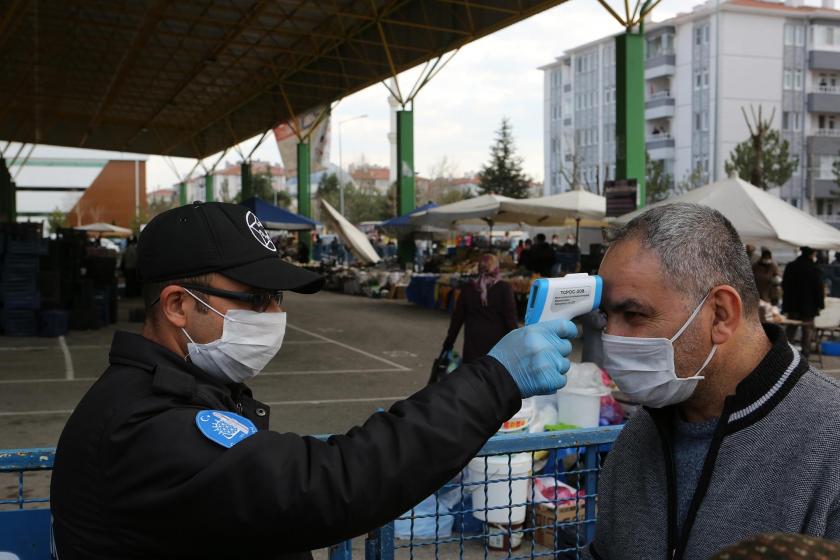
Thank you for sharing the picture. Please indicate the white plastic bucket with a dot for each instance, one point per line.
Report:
(581, 409)
(520, 421)
(510, 496)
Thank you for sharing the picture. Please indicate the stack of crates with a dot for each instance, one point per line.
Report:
(19, 286)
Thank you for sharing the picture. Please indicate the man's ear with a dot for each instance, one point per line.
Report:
(727, 307)
(173, 300)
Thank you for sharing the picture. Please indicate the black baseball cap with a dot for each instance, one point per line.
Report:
(206, 237)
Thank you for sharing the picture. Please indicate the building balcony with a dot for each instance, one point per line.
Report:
(660, 146)
(663, 64)
(824, 141)
(824, 102)
(659, 105)
(824, 187)
(823, 60)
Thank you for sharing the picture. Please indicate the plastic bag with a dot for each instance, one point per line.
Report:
(431, 520)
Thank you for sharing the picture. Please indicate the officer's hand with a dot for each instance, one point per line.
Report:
(535, 356)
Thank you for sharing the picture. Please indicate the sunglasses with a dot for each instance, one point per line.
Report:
(259, 300)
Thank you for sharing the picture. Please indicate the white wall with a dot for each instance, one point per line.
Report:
(751, 67)
(682, 89)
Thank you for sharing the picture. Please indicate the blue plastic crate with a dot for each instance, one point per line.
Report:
(830, 348)
(53, 322)
(31, 247)
(18, 300)
(20, 322)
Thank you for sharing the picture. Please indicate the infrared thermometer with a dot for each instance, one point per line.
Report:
(563, 298)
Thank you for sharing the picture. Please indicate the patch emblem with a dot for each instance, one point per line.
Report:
(259, 232)
(225, 428)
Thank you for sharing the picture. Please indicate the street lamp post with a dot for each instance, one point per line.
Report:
(341, 161)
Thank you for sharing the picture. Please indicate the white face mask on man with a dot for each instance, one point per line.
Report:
(249, 341)
(644, 369)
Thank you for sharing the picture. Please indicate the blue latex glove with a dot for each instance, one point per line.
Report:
(535, 356)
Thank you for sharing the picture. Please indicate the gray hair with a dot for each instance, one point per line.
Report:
(698, 249)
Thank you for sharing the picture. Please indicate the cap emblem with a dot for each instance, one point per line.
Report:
(259, 232)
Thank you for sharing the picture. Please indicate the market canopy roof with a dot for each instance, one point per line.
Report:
(194, 77)
(759, 217)
(274, 217)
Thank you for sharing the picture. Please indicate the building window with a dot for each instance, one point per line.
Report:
(701, 120)
(797, 80)
(826, 122)
(829, 35)
(791, 120)
(701, 34)
(789, 35)
(787, 79)
(800, 35)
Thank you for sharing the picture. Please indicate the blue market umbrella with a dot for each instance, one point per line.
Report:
(274, 217)
(404, 225)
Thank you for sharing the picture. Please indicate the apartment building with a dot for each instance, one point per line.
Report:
(701, 70)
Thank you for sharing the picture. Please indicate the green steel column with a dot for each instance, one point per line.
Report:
(304, 196)
(630, 110)
(182, 193)
(209, 191)
(247, 185)
(406, 199)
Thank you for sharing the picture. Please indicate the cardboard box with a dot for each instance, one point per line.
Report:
(546, 517)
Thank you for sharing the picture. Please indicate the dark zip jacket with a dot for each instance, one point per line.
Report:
(135, 477)
(773, 466)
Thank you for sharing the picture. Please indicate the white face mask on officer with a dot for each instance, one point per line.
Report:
(644, 369)
(249, 341)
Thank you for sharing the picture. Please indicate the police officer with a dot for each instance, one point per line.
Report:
(168, 455)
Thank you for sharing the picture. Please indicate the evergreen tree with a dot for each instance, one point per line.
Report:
(503, 175)
(764, 158)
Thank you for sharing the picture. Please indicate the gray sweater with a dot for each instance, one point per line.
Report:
(773, 466)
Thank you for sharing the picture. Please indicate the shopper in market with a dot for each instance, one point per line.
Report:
(169, 455)
(768, 279)
(486, 309)
(541, 257)
(803, 295)
(737, 435)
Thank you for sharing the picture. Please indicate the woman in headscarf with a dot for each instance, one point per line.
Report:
(487, 310)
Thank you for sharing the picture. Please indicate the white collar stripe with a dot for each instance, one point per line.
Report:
(735, 416)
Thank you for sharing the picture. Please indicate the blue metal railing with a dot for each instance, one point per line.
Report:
(477, 513)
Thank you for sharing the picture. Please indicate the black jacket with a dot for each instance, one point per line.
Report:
(135, 478)
(803, 290)
(485, 324)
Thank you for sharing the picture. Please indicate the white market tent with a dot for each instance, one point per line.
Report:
(105, 229)
(760, 218)
(355, 239)
(563, 209)
(492, 209)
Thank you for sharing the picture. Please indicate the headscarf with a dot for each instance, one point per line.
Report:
(488, 275)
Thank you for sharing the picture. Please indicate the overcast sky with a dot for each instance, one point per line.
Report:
(457, 113)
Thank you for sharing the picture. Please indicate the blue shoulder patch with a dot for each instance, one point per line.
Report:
(223, 427)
